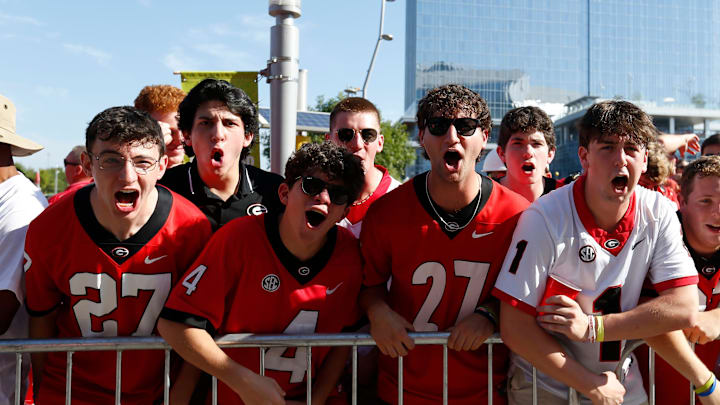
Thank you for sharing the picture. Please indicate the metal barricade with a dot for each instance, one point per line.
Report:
(264, 342)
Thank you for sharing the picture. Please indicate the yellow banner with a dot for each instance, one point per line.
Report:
(247, 81)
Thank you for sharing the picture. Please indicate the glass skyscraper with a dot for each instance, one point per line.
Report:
(520, 52)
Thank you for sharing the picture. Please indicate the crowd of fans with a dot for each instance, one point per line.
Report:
(165, 230)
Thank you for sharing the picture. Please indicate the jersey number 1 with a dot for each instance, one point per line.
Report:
(475, 271)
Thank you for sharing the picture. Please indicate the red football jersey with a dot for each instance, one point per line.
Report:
(438, 279)
(246, 281)
(105, 287)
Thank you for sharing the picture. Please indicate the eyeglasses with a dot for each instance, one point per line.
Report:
(438, 126)
(346, 135)
(69, 163)
(313, 186)
(112, 162)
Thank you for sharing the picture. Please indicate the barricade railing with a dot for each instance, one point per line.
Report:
(264, 342)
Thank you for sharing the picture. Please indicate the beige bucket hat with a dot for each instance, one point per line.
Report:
(19, 145)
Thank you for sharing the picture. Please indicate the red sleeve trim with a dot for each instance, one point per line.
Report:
(676, 282)
(509, 299)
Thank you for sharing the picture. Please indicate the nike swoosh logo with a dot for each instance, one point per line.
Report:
(637, 243)
(148, 260)
(479, 235)
(330, 291)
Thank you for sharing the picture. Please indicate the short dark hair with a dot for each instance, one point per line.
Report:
(452, 99)
(710, 141)
(125, 125)
(616, 117)
(354, 105)
(236, 100)
(333, 160)
(525, 119)
(704, 166)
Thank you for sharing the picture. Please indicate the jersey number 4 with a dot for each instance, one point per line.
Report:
(476, 273)
(304, 322)
(107, 302)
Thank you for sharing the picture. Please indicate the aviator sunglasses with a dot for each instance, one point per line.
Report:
(313, 186)
(346, 135)
(438, 126)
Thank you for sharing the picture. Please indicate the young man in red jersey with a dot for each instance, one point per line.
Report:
(302, 269)
(123, 243)
(355, 124)
(441, 237)
(603, 235)
(527, 146)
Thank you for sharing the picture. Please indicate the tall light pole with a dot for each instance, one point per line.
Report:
(381, 37)
(283, 79)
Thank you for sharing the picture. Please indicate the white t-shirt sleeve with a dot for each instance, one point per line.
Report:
(522, 278)
(671, 264)
(12, 243)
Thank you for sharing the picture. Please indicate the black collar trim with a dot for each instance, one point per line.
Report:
(548, 185)
(118, 250)
(196, 184)
(461, 217)
(301, 271)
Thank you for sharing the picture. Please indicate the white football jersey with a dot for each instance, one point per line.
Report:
(557, 235)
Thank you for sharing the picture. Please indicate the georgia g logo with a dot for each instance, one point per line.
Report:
(708, 270)
(587, 253)
(256, 209)
(611, 244)
(120, 252)
(271, 283)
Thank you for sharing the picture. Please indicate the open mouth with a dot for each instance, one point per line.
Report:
(528, 168)
(452, 159)
(314, 218)
(713, 228)
(216, 157)
(620, 183)
(126, 200)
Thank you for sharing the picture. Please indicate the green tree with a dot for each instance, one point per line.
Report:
(47, 180)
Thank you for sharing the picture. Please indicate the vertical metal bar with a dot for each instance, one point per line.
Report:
(262, 361)
(400, 380)
(118, 375)
(166, 378)
(572, 396)
(214, 390)
(354, 374)
(692, 346)
(651, 372)
(490, 374)
(18, 376)
(445, 374)
(68, 378)
(534, 385)
(308, 354)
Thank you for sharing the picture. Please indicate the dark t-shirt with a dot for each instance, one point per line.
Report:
(257, 193)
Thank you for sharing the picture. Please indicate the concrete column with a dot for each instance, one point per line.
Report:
(671, 125)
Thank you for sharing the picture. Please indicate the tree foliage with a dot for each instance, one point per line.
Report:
(47, 178)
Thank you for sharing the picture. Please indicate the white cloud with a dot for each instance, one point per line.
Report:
(226, 56)
(178, 59)
(101, 57)
(20, 19)
(50, 91)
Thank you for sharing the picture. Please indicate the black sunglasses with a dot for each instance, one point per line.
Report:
(69, 163)
(438, 126)
(313, 186)
(346, 135)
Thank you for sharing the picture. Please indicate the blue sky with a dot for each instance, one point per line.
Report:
(63, 62)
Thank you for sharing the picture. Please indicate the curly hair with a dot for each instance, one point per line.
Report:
(161, 98)
(236, 100)
(659, 167)
(526, 119)
(125, 125)
(616, 117)
(333, 160)
(702, 167)
(449, 100)
(354, 105)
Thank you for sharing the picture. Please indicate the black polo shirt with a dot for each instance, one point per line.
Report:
(257, 193)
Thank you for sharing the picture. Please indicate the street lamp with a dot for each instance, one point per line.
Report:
(381, 37)
(351, 90)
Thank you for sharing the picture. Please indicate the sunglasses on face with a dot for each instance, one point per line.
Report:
(313, 186)
(69, 163)
(438, 126)
(346, 135)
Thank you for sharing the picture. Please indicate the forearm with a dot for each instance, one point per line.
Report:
(527, 339)
(184, 384)
(372, 299)
(674, 348)
(41, 327)
(197, 347)
(329, 373)
(674, 309)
